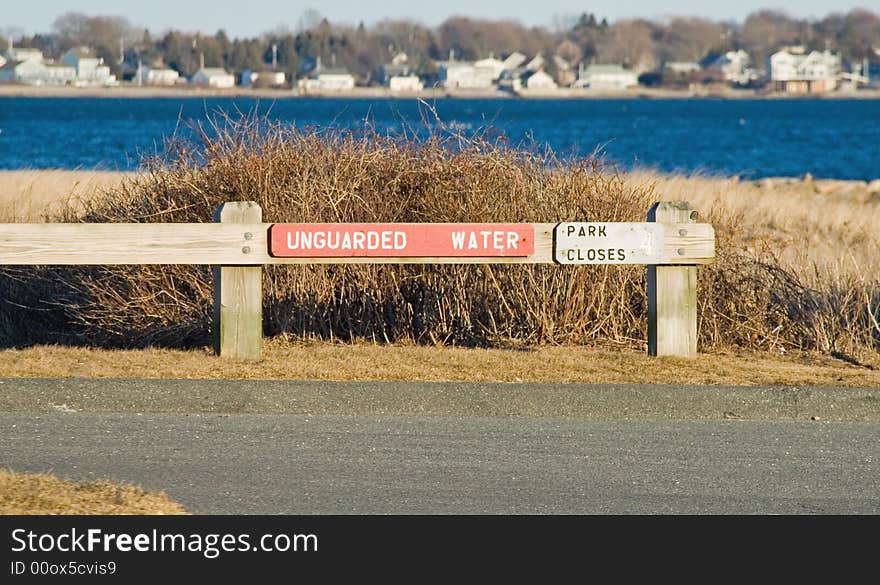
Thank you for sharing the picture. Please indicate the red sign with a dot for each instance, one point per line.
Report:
(401, 240)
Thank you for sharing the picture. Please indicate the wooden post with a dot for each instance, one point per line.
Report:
(238, 298)
(672, 293)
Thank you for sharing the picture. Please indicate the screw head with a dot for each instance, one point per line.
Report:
(246, 250)
(681, 251)
(248, 236)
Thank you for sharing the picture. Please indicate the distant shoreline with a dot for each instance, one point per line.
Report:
(134, 91)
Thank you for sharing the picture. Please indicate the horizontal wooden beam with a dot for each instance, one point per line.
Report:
(247, 244)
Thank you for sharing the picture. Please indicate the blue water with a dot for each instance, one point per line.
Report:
(751, 138)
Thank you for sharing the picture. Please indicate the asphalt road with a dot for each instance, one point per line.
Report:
(225, 447)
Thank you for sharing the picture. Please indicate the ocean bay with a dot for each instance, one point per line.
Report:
(750, 138)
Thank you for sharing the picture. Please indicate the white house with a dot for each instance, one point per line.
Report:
(539, 81)
(459, 74)
(681, 67)
(792, 70)
(90, 69)
(490, 68)
(404, 83)
(20, 54)
(327, 79)
(36, 73)
(213, 77)
(607, 77)
(31, 72)
(514, 60)
(398, 67)
(266, 78)
(734, 67)
(156, 76)
(59, 74)
(465, 75)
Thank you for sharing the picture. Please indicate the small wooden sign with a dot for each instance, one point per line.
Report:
(608, 243)
(403, 240)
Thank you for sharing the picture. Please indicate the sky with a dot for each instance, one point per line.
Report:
(248, 19)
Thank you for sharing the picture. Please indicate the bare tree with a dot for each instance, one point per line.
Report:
(630, 43)
(474, 39)
(768, 30)
(690, 39)
(570, 51)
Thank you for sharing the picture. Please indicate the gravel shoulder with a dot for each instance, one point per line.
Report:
(446, 399)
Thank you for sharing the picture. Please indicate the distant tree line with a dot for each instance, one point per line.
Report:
(640, 44)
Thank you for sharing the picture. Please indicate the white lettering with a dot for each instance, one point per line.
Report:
(512, 240)
(16, 537)
(457, 240)
(94, 538)
(399, 240)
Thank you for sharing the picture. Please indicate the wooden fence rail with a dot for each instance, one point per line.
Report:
(238, 243)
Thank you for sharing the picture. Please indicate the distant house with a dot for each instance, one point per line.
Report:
(734, 67)
(607, 77)
(90, 69)
(213, 77)
(59, 74)
(490, 68)
(482, 74)
(264, 77)
(390, 70)
(538, 81)
(327, 79)
(404, 83)
(156, 76)
(22, 72)
(514, 61)
(792, 70)
(536, 63)
(398, 67)
(683, 68)
(460, 75)
(23, 54)
(36, 73)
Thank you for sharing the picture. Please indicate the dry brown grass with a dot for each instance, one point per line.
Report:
(34, 195)
(793, 272)
(820, 236)
(284, 360)
(38, 493)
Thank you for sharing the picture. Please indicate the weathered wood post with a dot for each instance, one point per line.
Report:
(672, 292)
(238, 295)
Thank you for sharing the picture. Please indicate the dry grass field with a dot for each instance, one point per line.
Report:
(821, 236)
(33, 195)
